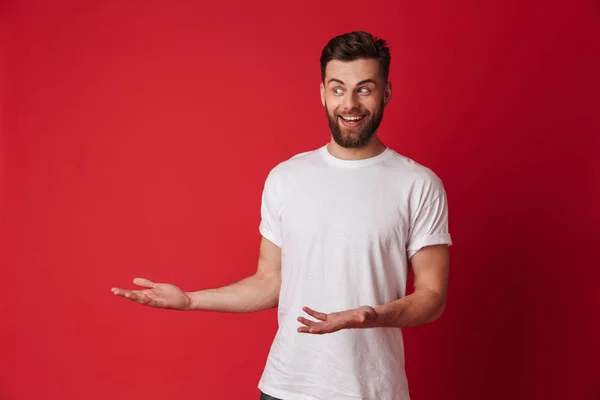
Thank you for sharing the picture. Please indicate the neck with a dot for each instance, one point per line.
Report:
(373, 148)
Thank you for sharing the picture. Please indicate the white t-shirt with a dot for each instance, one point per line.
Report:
(347, 229)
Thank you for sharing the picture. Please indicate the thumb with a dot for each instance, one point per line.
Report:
(143, 282)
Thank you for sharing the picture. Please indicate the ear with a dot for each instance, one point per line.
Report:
(387, 94)
(322, 88)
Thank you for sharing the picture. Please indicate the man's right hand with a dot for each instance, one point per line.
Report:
(161, 295)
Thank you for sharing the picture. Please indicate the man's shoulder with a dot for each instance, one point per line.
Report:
(302, 158)
(410, 169)
(296, 163)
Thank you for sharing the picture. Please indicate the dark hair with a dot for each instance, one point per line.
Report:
(356, 45)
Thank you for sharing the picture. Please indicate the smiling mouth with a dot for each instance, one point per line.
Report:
(351, 121)
(352, 118)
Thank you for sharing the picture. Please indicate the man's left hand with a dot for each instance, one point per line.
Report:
(328, 323)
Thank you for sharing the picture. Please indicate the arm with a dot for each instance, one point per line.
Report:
(426, 304)
(254, 293)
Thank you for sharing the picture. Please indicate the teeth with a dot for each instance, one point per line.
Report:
(351, 118)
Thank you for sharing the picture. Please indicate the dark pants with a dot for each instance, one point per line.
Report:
(264, 396)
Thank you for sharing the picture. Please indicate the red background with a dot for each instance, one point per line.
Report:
(136, 137)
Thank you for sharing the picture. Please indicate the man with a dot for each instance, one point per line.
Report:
(340, 226)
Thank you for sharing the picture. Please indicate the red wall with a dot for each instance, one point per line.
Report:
(137, 137)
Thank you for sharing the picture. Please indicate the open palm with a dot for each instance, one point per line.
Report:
(333, 322)
(161, 295)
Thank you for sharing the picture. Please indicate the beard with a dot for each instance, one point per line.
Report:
(353, 138)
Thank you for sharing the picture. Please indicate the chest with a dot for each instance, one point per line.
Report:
(346, 209)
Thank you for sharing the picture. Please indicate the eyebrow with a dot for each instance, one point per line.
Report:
(358, 84)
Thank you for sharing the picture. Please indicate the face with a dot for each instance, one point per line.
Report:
(354, 95)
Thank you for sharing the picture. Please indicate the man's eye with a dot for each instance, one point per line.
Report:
(363, 90)
(338, 91)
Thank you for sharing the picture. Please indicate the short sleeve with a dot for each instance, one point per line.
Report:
(429, 223)
(270, 224)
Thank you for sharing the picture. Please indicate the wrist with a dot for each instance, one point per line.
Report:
(385, 316)
(189, 302)
(368, 317)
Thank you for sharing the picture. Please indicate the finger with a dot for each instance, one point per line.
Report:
(318, 315)
(133, 295)
(119, 291)
(312, 330)
(143, 282)
(137, 295)
(307, 322)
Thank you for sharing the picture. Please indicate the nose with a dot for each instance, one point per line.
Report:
(350, 101)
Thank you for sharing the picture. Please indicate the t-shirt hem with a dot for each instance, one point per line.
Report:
(430, 240)
(266, 389)
(269, 236)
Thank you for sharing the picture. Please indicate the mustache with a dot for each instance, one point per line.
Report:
(354, 111)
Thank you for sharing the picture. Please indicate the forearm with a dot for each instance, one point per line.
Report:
(421, 307)
(254, 293)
